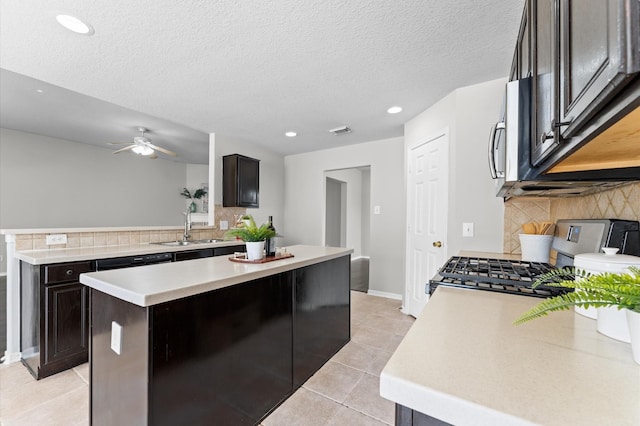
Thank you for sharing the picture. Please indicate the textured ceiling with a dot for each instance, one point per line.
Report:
(248, 71)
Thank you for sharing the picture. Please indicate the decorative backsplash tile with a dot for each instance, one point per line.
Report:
(618, 203)
(115, 238)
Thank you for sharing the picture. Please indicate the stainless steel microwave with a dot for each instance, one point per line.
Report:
(510, 154)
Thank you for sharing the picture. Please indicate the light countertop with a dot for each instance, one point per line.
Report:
(154, 284)
(464, 362)
(49, 256)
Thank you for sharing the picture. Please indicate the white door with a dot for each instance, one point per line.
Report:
(427, 206)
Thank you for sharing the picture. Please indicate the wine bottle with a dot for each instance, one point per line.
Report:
(270, 244)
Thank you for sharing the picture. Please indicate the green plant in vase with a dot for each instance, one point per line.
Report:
(253, 235)
(197, 194)
(250, 232)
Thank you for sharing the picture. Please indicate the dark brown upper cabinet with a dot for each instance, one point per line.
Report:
(584, 54)
(240, 181)
(544, 15)
(598, 56)
(521, 64)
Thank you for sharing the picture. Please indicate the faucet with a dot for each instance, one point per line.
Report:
(187, 225)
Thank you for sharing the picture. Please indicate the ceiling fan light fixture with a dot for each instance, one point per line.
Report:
(74, 24)
(142, 150)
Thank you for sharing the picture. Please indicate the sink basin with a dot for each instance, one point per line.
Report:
(177, 243)
(214, 240)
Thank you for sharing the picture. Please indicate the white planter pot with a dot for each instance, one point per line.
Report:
(633, 321)
(255, 250)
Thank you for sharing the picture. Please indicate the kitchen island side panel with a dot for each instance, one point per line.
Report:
(321, 324)
(223, 357)
(118, 383)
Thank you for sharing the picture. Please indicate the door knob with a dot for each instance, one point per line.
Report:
(437, 243)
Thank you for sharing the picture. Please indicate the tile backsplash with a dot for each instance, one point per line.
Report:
(618, 203)
(37, 241)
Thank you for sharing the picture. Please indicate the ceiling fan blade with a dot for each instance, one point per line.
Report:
(118, 143)
(164, 151)
(126, 148)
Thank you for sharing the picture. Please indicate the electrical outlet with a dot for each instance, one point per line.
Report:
(467, 229)
(116, 337)
(376, 209)
(56, 239)
(224, 225)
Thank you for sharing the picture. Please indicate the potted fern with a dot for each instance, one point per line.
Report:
(253, 235)
(616, 290)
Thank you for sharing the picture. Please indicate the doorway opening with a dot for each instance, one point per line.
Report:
(348, 218)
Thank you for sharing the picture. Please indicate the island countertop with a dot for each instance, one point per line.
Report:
(153, 284)
(464, 362)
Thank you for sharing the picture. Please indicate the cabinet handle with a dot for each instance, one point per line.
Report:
(545, 136)
(557, 124)
(69, 272)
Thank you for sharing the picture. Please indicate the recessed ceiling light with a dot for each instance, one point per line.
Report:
(74, 24)
(394, 110)
(39, 90)
(291, 134)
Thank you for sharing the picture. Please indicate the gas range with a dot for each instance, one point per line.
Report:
(517, 277)
(499, 275)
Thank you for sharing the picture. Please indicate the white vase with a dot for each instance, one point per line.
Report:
(633, 319)
(255, 250)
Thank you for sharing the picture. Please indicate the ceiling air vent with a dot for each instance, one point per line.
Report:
(340, 130)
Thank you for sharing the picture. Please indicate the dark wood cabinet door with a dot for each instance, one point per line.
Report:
(67, 321)
(599, 54)
(523, 50)
(248, 182)
(544, 114)
(240, 181)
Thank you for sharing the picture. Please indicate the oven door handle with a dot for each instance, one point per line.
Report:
(492, 147)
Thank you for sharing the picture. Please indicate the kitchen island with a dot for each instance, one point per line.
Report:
(211, 341)
(463, 362)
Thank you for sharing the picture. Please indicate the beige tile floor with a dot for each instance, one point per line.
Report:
(345, 391)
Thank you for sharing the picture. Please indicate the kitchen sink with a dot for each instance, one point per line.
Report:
(177, 243)
(189, 243)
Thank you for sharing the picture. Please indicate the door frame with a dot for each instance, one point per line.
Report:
(435, 136)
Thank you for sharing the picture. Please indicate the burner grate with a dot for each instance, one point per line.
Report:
(505, 276)
(497, 271)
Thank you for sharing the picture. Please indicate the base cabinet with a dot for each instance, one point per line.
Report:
(55, 317)
(223, 357)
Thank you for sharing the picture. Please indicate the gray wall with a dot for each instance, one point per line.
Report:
(468, 113)
(51, 183)
(304, 204)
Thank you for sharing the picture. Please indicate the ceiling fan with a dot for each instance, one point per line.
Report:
(142, 145)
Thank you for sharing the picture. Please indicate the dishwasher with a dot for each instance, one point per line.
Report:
(130, 261)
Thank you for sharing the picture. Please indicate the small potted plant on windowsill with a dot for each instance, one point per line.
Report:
(253, 235)
(197, 194)
(606, 290)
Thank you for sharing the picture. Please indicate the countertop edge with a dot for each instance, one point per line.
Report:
(50, 256)
(94, 280)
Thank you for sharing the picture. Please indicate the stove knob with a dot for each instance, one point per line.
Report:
(437, 243)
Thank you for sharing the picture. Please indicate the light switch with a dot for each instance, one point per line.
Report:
(116, 337)
(376, 209)
(467, 229)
